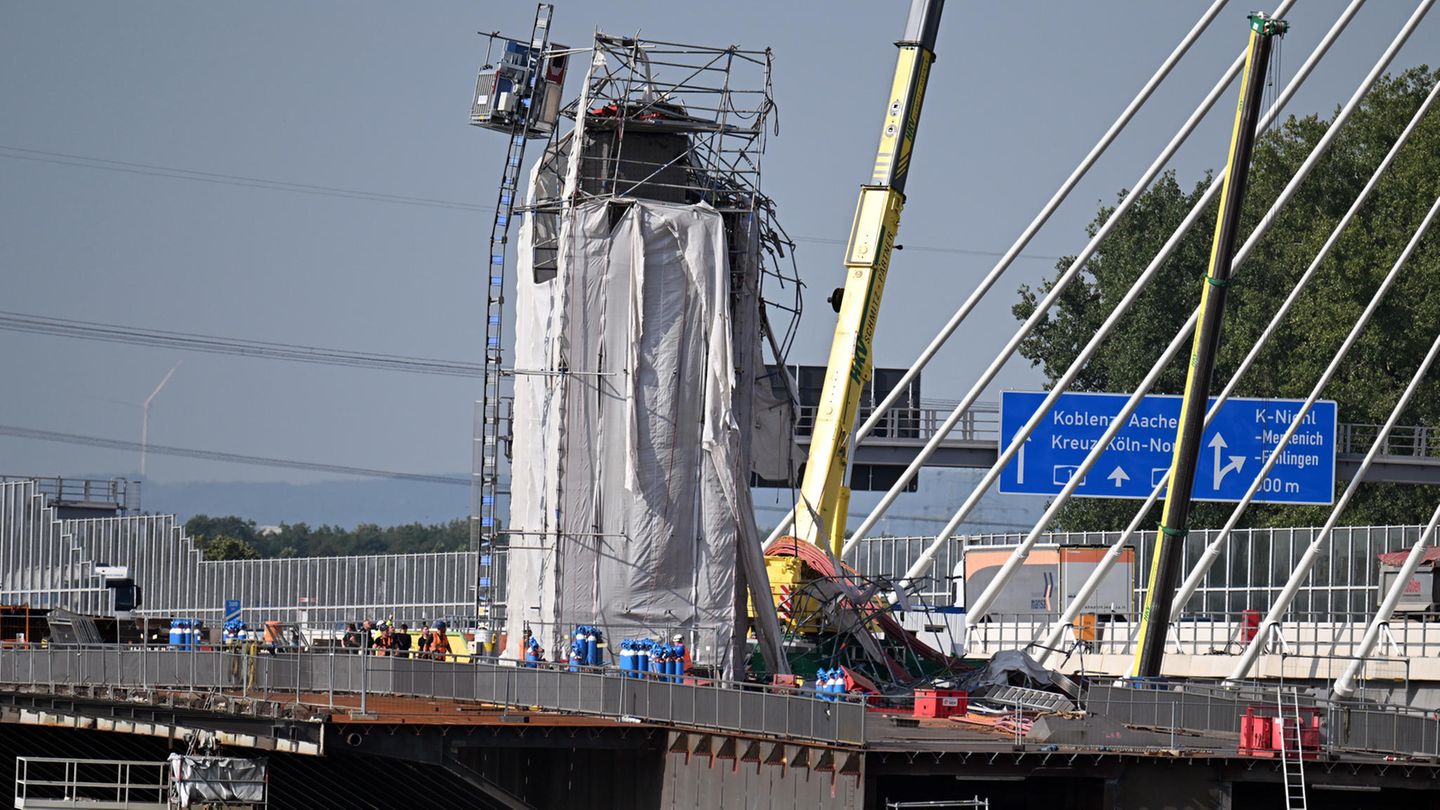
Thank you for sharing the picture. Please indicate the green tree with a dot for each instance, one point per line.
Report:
(224, 547)
(1376, 369)
(229, 526)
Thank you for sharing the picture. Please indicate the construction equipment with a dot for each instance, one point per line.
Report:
(821, 597)
(824, 496)
(519, 96)
(1169, 541)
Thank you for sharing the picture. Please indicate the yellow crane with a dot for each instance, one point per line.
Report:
(824, 496)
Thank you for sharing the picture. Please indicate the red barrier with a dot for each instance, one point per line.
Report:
(940, 703)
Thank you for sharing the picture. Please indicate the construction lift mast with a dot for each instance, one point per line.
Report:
(824, 496)
(1170, 539)
(518, 96)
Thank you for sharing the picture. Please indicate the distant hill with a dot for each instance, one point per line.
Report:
(392, 503)
(338, 503)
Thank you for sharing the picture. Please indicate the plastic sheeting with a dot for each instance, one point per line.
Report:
(626, 478)
(196, 781)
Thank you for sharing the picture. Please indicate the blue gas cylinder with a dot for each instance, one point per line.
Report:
(577, 655)
(592, 646)
(644, 662)
(657, 660)
(679, 667)
(175, 636)
(625, 656)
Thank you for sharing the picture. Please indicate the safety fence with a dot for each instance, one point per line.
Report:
(49, 562)
(1312, 635)
(1255, 566)
(1198, 707)
(317, 678)
(1193, 711)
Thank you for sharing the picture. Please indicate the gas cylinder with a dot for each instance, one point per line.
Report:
(577, 654)
(624, 657)
(592, 646)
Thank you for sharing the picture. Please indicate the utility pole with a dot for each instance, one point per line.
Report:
(1170, 539)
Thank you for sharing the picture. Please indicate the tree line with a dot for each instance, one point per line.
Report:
(1376, 369)
(236, 538)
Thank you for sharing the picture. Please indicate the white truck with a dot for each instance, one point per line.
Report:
(1048, 580)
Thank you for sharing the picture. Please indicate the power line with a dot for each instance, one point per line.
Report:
(220, 178)
(115, 333)
(232, 458)
(820, 240)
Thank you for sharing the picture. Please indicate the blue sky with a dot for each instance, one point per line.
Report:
(374, 96)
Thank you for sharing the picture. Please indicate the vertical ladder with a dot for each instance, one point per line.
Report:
(1292, 753)
(490, 398)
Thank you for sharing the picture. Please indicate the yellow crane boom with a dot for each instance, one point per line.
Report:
(824, 496)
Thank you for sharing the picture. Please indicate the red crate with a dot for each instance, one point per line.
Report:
(940, 703)
(1260, 732)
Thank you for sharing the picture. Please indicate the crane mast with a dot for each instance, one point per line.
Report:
(1169, 540)
(824, 496)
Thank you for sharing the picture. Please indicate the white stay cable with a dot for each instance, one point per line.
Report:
(1345, 686)
(1033, 228)
(1307, 560)
(977, 609)
(1212, 551)
(1041, 218)
(1073, 271)
(1097, 575)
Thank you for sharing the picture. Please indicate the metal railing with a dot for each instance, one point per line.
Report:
(56, 782)
(317, 678)
(119, 492)
(1213, 709)
(1312, 635)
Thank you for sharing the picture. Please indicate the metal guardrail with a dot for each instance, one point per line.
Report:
(1210, 634)
(118, 493)
(314, 679)
(56, 782)
(1346, 727)
(302, 677)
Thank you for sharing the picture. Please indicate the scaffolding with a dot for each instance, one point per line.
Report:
(675, 123)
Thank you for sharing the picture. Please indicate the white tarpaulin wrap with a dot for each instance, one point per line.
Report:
(625, 471)
(196, 781)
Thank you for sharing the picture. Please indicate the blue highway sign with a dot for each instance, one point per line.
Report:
(1234, 448)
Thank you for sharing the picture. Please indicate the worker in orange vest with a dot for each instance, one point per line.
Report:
(440, 642)
(385, 644)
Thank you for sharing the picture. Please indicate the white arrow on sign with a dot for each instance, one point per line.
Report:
(1236, 462)
(1118, 476)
